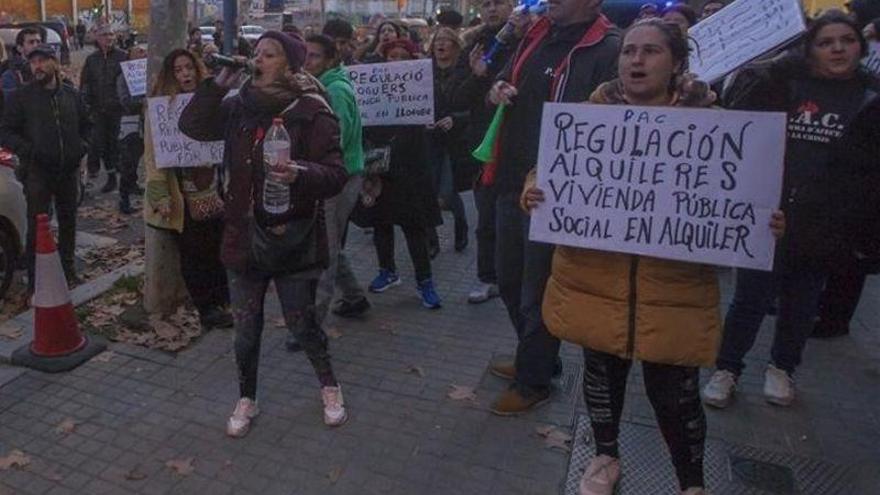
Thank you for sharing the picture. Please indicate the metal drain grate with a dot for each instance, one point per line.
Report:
(569, 384)
(647, 469)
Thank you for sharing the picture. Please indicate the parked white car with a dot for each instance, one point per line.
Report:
(13, 220)
(251, 32)
(207, 34)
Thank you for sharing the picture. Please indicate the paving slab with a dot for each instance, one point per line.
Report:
(141, 409)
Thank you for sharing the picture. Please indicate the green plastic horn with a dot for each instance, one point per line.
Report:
(486, 150)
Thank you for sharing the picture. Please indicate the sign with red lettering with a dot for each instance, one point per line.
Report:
(696, 185)
(394, 93)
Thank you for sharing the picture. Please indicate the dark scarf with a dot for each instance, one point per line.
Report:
(271, 100)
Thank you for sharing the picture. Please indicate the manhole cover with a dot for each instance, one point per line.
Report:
(763, 475)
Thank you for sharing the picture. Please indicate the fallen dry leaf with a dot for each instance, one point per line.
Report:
(53, 475)
(68, 425)
(416, 370)
(461, 392)
(334, 475)
(15, 459)
(555, 438)
(182, 467)
(134, 474)
(11, 332)
(104, 357)
(333, 332)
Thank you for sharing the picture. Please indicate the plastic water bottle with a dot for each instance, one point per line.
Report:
(276, 150)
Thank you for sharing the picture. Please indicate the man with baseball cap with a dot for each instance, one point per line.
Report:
(45, 123)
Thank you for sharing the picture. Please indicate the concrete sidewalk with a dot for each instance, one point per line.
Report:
(141, 409)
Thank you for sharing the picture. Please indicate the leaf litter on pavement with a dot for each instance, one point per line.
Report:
(554, 437)
(66, 426)
(461, 392)
(15, 459)
(182, 467)
(105, 316)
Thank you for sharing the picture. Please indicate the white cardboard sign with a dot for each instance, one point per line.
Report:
(693, 185)
(135, 73)
(170, 146)
(394, 93)
(741, 32)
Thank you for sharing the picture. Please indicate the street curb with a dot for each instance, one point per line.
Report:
(80, 295)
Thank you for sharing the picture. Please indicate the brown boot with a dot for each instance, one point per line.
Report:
(503, 367)
(512, 402)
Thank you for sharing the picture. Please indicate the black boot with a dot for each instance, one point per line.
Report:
(215, 317)
(110, 185)
(125, 205)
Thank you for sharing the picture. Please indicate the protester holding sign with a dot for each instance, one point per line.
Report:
(185, 203)
(131, 139)
(823, 93)
(622, 307)
(260, 246)
(407, 197)
(563, 57)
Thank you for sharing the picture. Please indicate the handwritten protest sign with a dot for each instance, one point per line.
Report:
(135, 73)
(871, 62)
(685, 184)
(170, 146)
(740, 32)
(394, 93)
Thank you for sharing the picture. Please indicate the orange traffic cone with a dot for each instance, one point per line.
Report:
(58, 344)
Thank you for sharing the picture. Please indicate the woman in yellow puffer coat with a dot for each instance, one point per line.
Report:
(621, 307)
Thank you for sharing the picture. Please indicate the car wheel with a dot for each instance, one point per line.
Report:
(8, 255)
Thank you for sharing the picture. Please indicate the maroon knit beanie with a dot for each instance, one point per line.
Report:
(294, 47)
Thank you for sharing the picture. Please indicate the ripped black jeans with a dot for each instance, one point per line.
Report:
(247, 292)
(674, 393)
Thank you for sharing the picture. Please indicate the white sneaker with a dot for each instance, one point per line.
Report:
(695, 491)
(334, 406)
(600, 476)
(240, 421)
(719, 391)
(778, 386)
(482, 292)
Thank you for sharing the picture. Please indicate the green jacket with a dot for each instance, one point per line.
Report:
(344, 103)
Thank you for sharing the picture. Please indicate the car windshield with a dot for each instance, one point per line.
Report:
(252, 29)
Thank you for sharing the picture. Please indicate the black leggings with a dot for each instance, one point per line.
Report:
(416, 242)
(674, 395)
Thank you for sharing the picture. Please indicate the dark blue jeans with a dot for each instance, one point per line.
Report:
(523, 268)
(484, 199)
(798, 293)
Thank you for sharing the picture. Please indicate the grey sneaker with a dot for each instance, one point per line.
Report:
(778, 386)
(482, 292)
(719, 391)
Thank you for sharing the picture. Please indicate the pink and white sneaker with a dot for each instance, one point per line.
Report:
(334, 406)
(600, 476)
(240, 421)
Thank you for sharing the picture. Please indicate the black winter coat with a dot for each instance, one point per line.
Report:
(47, 129)
(837, 211)
(98, 81)
(408, 197)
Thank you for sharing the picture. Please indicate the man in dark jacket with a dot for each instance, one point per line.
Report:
(18, 72)
(98, 87)
(563, 57)
(472, 95)
(45, 123)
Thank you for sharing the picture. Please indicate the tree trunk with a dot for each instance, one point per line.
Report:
(163, 284)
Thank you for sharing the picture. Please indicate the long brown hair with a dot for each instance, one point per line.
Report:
(166, 84)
